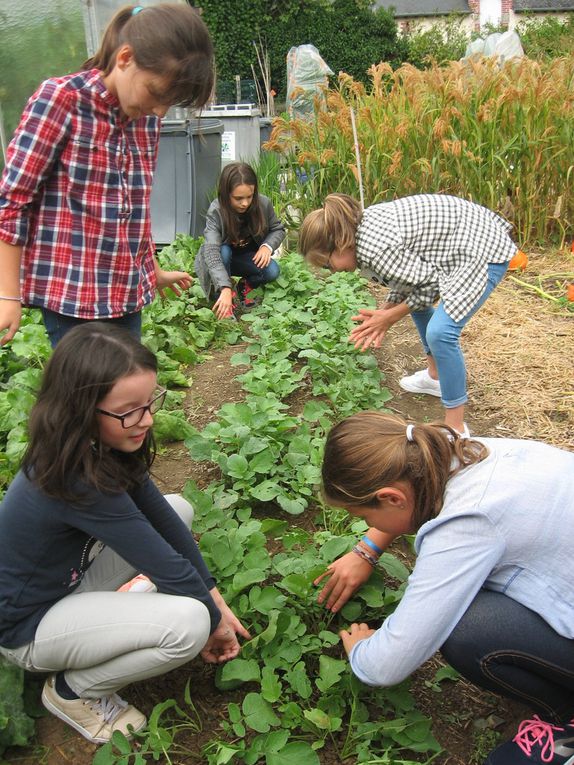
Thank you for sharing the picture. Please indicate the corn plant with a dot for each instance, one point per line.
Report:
(499, 135)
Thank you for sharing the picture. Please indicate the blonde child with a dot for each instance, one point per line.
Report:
(425, 248)
(80, 520)
(242, 231)
(75, 229)
(491, 586)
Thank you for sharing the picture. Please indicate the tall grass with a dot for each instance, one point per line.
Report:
(501, 136)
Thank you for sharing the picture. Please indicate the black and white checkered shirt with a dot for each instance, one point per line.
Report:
(432, 245)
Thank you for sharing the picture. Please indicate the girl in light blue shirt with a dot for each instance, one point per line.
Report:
(492, 584)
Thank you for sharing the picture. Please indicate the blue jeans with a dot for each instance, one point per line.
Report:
(440, 337)
(241, 264)
(57, 324)
(506, 648)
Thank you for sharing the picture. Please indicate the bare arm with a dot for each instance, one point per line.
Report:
(10, 310)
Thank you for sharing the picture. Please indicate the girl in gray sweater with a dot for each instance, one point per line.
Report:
(241, 234)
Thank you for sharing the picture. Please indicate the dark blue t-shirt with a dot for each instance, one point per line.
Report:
(46, 546)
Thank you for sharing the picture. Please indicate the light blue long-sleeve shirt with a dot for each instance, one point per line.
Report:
(506, 525)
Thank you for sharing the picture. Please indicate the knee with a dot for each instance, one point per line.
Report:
(182, 507)
(436, 336)
(191, 627)
(226, 254)
(272, 271)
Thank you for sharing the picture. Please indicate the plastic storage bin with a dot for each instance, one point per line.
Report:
(265, 127)
(241, 137)
(185, 181)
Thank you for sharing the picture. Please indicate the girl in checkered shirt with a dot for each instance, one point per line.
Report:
(75, 228)
(426, 248)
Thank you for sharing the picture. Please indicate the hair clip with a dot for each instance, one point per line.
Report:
(409, 432)
(136, 9)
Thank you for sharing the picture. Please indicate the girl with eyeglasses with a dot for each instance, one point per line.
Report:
(80, 520)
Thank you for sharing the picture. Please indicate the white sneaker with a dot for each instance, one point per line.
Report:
(421, 382)
(95, 719)
(140, 583)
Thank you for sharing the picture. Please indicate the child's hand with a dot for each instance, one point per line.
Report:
(346, 575)
(373, 328)
(354, 634)
(223, 306)
(10, 317)
(222, 644)
(262, 257)
(228, 615)
(175, 280)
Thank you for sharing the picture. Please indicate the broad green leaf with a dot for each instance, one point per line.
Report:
(237, 466)
(258, 713)
(240, 359)
(351, 610)
(313, 410)
(292, 506)
(330, 671)
(199, 447)
(293, 753)
(267, 599)
(394, 567)
(273, 741)
(244, 579)
(236, 672)
(270, 685)
(299, 681)
(262, 462)
(265, 491)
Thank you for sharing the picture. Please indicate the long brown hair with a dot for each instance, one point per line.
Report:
(170, 40)
(236, 174)
(63, 446)
(331, 227)
(370, 450)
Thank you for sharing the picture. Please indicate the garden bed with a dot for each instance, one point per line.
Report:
(518, 351)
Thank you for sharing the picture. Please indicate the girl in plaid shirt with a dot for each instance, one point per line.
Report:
(75, 229)
(424, 247)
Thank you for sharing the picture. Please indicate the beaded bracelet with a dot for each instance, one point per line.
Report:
(372, 545)
(5, 297)
(365, 555)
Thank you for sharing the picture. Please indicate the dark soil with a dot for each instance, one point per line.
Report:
(464, 718)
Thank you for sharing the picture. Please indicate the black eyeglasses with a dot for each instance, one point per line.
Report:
(135, 416)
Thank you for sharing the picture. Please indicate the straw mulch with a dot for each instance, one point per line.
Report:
(520, 356)
(519, 351)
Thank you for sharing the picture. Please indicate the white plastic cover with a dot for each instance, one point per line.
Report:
(307, 77)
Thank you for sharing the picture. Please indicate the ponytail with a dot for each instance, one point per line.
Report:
(371, 450)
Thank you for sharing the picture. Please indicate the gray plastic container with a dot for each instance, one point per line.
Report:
(265, 127)
(241, 139)
(186, 177)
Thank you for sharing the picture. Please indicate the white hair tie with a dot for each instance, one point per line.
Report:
(409, 432)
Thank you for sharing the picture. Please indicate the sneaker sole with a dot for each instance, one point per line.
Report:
(412, 389)
(57, 712)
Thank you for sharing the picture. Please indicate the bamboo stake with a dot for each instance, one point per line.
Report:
(358, 157)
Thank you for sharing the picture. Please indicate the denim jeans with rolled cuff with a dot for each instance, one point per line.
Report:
(440, 336)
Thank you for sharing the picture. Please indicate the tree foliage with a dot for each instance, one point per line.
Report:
(348, 34)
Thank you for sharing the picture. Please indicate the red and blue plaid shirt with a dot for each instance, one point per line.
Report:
(75, 194)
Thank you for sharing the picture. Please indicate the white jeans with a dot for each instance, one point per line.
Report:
(105, 639)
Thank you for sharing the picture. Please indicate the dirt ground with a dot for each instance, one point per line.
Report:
(521, 372)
